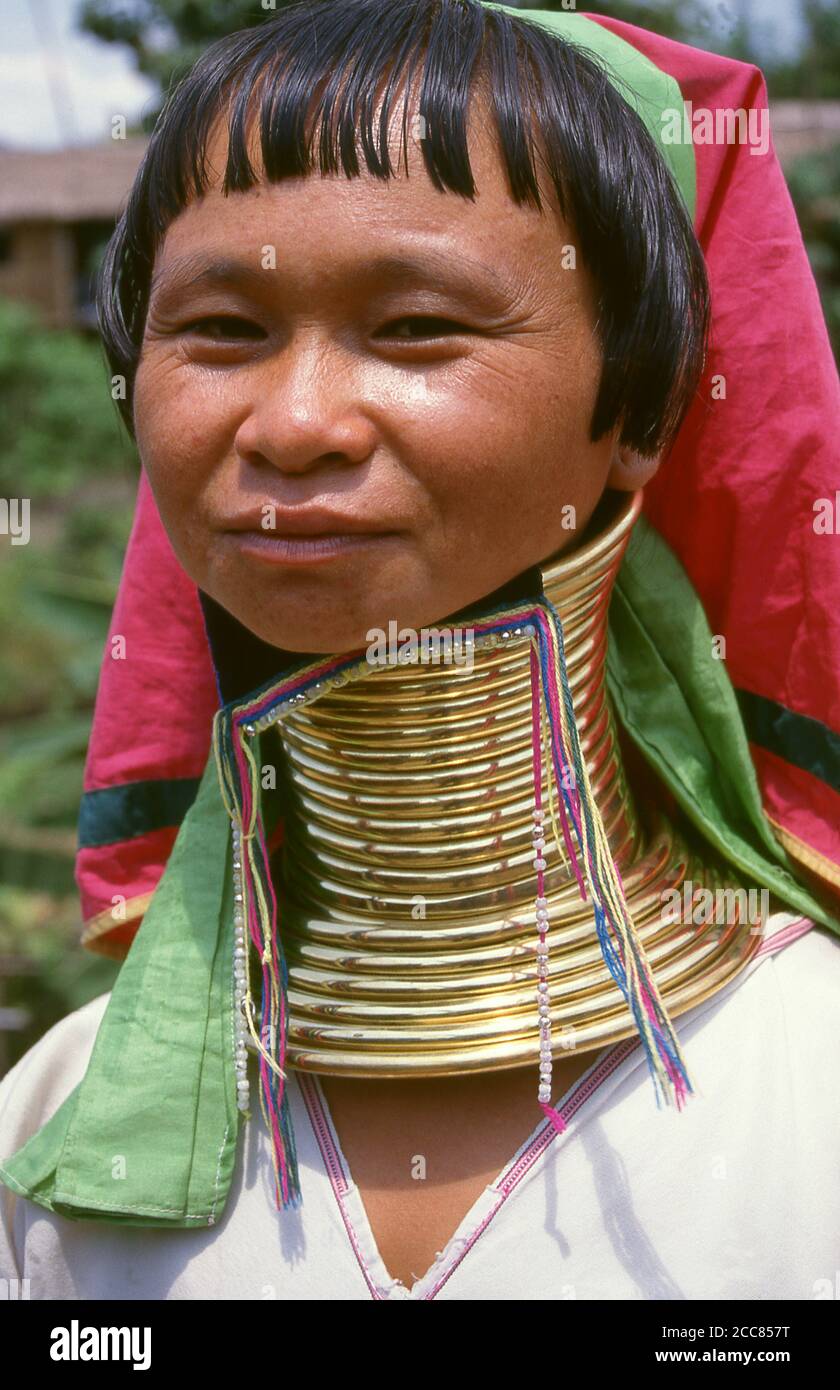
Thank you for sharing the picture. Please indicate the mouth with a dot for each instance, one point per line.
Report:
(286, 536)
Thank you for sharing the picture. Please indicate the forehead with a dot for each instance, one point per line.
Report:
(332, 216)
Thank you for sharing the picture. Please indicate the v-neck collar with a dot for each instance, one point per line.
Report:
(380, 1282)
(614, 1063)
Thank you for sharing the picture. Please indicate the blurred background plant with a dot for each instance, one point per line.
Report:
(61, 435)
(65, 449)
(814, 183)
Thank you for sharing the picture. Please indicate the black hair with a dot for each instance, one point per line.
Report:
(312, 76)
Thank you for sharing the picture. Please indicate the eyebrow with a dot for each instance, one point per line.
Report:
(196, 272)
(478, 282)
(454, 271)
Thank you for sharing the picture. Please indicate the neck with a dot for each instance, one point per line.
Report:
(408, 866)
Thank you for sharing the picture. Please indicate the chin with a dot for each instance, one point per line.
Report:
(315, 630)
(308, 637)
(318, 610)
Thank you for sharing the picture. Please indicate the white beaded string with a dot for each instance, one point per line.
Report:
(543, 1005)
(541, 902)
(240, 976)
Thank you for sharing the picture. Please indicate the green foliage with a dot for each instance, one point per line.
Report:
(59, 425)
(43, 971)
(55, 603)
(814, 183)
(167, 36)
(815, 71)
(65, 450)
(65, 453)
(689, 20)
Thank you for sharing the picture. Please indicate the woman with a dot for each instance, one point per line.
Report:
(418, 899)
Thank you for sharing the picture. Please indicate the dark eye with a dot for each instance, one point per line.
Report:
(420, 326)
(224, 327)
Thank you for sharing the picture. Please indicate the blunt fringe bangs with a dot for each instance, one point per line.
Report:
(312, 78)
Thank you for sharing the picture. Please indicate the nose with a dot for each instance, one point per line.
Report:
(307, 411)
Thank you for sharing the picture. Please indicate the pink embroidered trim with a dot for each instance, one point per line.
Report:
(788, 934)
(581, 1093)
(518, 1167)
(509, 1180)
(335, 1170)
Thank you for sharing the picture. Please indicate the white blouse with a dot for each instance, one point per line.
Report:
(737, 1196)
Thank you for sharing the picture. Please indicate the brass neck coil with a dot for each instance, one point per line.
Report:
(408, 884)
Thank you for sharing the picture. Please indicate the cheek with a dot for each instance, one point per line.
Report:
(183, 428)
(511, 450)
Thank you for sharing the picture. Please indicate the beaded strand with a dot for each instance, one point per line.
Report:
(240, 975)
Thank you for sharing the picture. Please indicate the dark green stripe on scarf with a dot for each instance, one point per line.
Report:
(797, 738)
(120, 813)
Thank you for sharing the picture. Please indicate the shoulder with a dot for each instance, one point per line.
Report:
(804, 958)
(806, 975)
(779, 1015)
(30, 1094)
(789, 1003)
(42, 1080)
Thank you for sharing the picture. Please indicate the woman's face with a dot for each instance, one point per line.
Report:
(362, 400)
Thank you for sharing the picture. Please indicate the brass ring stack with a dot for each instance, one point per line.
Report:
(407, 869)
